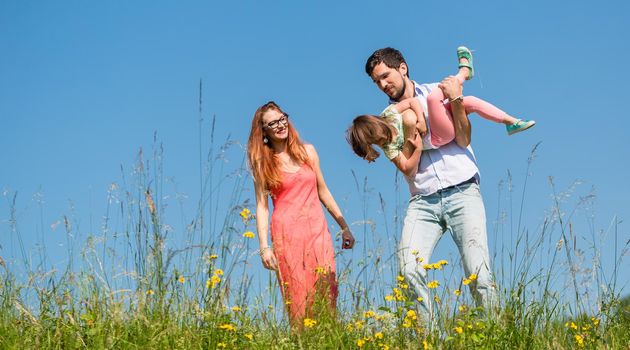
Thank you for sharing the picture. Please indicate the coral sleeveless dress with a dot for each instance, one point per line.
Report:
(302, 243)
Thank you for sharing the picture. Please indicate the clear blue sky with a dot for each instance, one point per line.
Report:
(84, 85)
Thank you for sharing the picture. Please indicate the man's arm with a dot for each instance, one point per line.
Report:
(452, 90)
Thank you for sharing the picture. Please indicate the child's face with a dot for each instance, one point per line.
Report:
(389, 80)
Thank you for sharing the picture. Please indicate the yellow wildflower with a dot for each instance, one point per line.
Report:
(218, 272)
(244, 213)
(407, 323)
(425, 345)
(433, 284)
(384, 346)
(213, 256)
(458, 330)
(309, 322)
(473, 277)
(595, 321)
(427, 266)
(378, 335)
(360, 343)
(420, 299)
(221, 345)
(249, 336)
(466, 281)
(414, 252)
(358, 324)
(236, 308)
(213, 281)
(574, 326)
(457, 292)
(411, 315)
(400, 278)
(181, 279)
(288, 302)
(579, 339)
(443, 262)
(389, 297)
(419, 259)
(369, 314)
(320, 270)
(248, 234)
(150, 292)
(463, 308)
(437, 299)
(228, 327)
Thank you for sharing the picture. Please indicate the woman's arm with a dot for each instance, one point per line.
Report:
(262, 224)
(327, 199)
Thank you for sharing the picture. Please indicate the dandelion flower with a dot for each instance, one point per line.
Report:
(181, 279)
(443, 262)
(369, 314)
(320, 270)
(433, 284)
(411, 315)
(249, 336)
(228, 327)
(150, 292)
(458, 330)
(463, 308)
(473, 277)
(414, 252)
(221, 345)
(236, 308)
(419, 259)
(400, 278)
(427, 266)
(579, 339)
(420, 299)
(309, 322)
(218, 272)
(360, 343)
(378, 335)
(466, 281)
(437, 299)
(425, 345)
(244, 213)
(389, 297)
(213, 256)
(248, 234)
(457, 292)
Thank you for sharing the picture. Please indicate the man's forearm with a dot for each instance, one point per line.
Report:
(461, 123)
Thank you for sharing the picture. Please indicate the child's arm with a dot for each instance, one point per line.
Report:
(408, 159)
(413, 104)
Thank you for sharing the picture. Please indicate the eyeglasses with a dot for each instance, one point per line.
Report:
(276, 123)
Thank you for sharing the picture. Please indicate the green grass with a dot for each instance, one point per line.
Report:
(141, 284)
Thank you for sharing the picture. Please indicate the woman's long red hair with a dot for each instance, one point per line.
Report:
(260, 155)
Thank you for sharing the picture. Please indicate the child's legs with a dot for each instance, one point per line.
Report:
(486, 110)
(440, 119)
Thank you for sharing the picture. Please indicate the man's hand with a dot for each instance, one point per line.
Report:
(451, 87)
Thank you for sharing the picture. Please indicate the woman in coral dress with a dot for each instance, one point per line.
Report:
(288, 171)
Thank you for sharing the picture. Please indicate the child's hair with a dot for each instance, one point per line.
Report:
(368, 130)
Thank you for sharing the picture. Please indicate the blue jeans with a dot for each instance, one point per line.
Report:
(461, 210)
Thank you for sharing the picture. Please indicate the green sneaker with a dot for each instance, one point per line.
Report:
(519, 125)
(464, 52)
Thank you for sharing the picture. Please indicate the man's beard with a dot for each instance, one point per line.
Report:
(398, 94)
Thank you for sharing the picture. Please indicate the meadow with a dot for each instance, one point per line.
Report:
(160, 275)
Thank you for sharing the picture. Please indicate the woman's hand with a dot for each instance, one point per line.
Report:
(268, 259)
(347, 239)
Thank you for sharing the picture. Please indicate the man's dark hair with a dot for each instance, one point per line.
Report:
(390, 56)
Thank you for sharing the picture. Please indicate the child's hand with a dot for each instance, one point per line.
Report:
(421, 126)
(416, 140)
